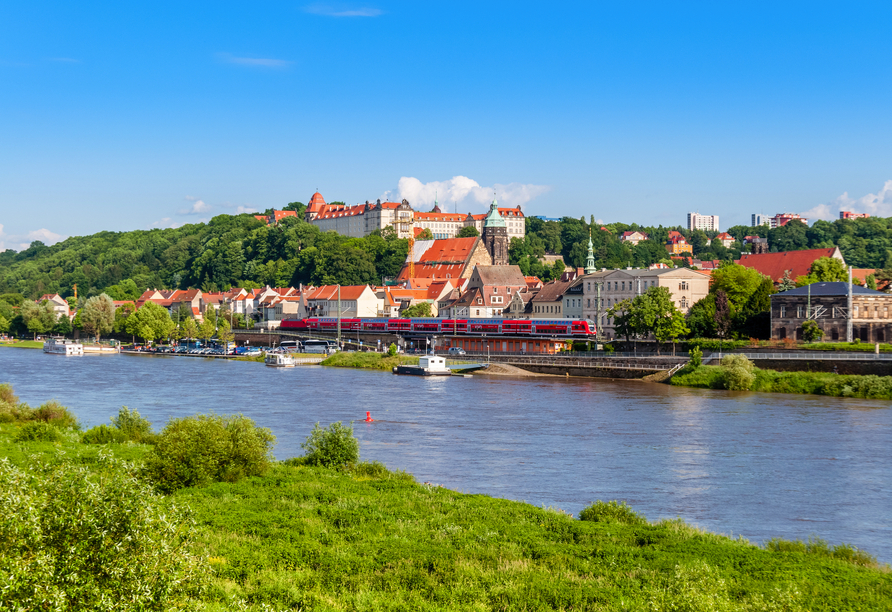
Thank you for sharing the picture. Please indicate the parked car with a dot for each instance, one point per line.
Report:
(457, 350)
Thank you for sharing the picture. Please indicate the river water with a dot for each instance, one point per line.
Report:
(758, 465)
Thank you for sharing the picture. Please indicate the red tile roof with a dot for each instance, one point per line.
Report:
(451, 250)
(774, 265)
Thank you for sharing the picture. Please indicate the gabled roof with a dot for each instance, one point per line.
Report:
(552, 291)
(451, 250)
(330, 292)
(774, 265)
(501, 276)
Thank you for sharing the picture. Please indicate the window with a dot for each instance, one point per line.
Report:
(588, 303)
(588, 286)
(783, 312)
(624, 285)
(683, 286)
(495, 289)
(608, 285)
(479, 300)
(497, 299)
(684, 302)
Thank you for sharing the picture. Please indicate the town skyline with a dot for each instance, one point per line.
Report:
(120, 119)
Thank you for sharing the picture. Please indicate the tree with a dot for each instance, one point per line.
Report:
(786, 282)
(206, 330)
(98, 315)
(190, 329)
(224, 333)
(422, 309)
(39, 318)
(871, 281)
(63, 326)
(811, 331)
(655, 312)
(210, 314)
(468, 231)
(824, 270)
(622, 319)
(121, 313)
(722, 314)
(4, 325)
(150, 322)
(425, 234)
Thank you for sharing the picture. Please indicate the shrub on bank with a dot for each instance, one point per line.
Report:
(821, 548)
(332, 446)
(738, 373)
(38, 431)
(617, 512)
(90, 538)
(195, 451)
(103, 434)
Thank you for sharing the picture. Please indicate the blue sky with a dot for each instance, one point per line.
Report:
(118, 116)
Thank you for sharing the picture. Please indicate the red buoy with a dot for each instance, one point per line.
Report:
(368, 416)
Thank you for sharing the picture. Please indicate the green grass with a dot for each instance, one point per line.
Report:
(866, 347)
(29, 344)
(304, 538)
(772, 381)
(368, 361)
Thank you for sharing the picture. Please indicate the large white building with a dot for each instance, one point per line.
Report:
(707, 223)
(362, 219)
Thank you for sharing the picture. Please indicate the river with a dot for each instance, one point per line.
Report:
(751, 464)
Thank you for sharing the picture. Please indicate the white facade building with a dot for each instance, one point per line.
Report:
(760, 220)
(707, 223)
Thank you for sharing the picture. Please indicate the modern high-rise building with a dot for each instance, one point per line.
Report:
(781, 219)
(707, 223)
(760, 220)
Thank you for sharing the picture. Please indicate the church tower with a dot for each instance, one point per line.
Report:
(495, 236)
(590, 260)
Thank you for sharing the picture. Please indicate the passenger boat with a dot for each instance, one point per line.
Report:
(279, 360)
(428, 365)
(61, 346)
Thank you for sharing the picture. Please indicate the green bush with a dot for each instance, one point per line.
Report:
(134, 427)
(696, 357)
(820, 548)
(391, 350)
(78, 538)
(195, 451)
(55, 413)
(38, 432)
(738, 373)
(7, 395)
(375, 470)
(611, 512)
(103, 434)
(332, 446)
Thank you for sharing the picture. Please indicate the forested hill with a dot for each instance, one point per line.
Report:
(227, 251)
(242, 251)
(865, 243)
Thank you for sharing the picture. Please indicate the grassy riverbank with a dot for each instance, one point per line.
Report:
(815, 383)
(368, 361)
(29, 344)
(366, 538)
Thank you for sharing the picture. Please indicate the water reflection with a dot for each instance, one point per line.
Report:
(756, 464)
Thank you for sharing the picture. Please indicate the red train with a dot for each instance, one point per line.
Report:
(506, 327)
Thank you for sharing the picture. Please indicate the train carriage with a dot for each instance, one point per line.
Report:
(504, 327)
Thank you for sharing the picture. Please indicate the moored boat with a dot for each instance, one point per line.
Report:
(279, 360)
(61, 346)
(428, 365)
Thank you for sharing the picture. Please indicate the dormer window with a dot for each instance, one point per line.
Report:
(495, 289)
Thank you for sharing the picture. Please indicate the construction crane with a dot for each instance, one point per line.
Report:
(409, 224)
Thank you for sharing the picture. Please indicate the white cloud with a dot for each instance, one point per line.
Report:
(466, 193)
(20, 242)
(342, 11)
(876, 204)
(198, 207)
(255, 62)
(165, 223)
(240, 210)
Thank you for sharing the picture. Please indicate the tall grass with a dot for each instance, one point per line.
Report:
(772, 381)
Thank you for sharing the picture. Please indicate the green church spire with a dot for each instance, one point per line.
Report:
(590, 260)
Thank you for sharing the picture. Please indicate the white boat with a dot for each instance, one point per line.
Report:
(279, 360)
(61, 346)
(428, 365)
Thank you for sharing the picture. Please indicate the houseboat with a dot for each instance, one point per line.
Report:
(61, 346)
(279, 360)
(428, 365)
